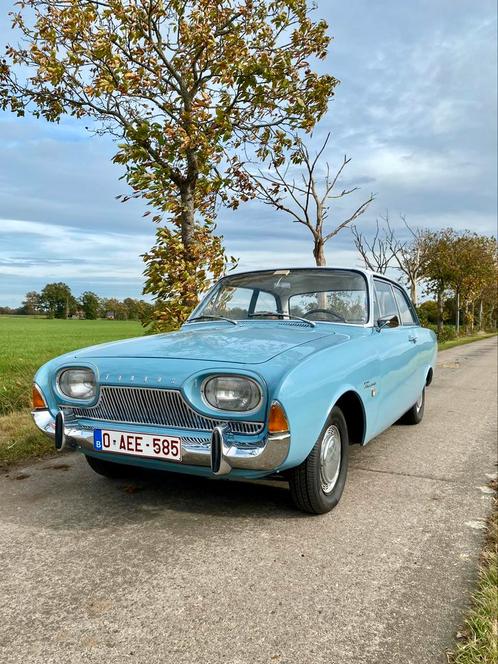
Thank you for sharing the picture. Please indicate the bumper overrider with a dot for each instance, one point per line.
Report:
(219, 450)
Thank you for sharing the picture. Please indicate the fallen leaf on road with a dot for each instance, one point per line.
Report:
(132, 488)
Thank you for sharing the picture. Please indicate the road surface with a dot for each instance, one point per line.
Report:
(193, 571)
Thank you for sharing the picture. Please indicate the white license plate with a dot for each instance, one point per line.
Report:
(137, 444)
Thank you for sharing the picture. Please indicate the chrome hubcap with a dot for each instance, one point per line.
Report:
(420, 401)
(330, 459)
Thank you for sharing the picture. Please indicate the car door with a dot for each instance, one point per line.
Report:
(396, 359)
(409, 322)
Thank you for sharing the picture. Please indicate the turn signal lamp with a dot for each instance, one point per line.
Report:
(38, 400)
(278, 420)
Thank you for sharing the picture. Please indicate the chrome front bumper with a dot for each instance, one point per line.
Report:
(219, 451)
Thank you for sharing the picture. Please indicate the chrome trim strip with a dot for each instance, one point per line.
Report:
(267, 454)
(151, 406)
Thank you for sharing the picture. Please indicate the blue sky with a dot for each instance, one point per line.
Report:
(415, 110)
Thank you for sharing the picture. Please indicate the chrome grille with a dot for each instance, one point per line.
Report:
(147, 405)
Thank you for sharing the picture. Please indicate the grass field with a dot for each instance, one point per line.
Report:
(27, 343)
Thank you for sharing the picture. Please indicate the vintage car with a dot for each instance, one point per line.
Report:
(274, 374)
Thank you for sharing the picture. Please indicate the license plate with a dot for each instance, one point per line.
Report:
(137, 444)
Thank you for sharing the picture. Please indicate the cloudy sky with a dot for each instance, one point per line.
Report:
(416, 111)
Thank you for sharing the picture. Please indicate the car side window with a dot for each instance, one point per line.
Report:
(407, 317)
(385, 299)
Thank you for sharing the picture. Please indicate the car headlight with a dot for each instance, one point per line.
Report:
(235, 393)
(77, 383)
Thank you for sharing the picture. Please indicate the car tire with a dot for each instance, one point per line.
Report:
(108, 468)
(317, 484)
(416, 412)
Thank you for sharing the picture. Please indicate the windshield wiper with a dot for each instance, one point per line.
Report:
(208, 317)
(261, 314)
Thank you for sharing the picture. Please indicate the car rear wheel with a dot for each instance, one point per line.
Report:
(317, 484)
(416, 412)
(108, 468)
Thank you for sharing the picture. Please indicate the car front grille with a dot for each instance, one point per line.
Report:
(152, 406)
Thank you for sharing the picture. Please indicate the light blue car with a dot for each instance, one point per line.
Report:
(275, 373)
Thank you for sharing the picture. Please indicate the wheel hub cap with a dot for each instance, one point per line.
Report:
(330, 458)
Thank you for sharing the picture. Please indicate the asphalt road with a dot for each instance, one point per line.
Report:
(193, 571)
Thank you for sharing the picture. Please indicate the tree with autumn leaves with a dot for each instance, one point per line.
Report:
(464, 266)
(185, 87)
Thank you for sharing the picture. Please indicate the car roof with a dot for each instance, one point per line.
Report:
(367, 273)
(312, 267)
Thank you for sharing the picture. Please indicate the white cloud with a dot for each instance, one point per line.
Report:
(55, 252)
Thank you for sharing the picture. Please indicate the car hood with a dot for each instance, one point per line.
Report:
(241, 344)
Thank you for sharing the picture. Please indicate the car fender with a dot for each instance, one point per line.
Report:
(308, 393)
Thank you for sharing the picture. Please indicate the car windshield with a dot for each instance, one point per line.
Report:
(330, 295)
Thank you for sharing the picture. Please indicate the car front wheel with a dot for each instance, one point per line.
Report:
(317, 484)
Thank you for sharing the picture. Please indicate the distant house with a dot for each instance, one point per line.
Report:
(109, 315)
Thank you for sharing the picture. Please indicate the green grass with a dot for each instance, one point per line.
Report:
(20, 440)
(27, 343)
(461, 341)
(479, 636)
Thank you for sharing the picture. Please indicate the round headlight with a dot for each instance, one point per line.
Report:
(232, 393)
(77, 383)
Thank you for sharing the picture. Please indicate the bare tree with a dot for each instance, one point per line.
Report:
(410, 257)
(308, 197)
(386, 248)
(377, 253)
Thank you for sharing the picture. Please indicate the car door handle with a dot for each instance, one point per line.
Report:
(412, 338)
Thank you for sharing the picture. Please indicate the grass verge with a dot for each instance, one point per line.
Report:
(461, 341)
(27, 343)
(20, 440)
(478, 640)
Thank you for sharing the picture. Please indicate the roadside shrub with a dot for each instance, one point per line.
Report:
(448, 333)
(427, 312)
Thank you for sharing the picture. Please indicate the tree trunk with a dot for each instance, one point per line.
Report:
(467, 318)
(413, 290)
(319, 252)
(457, 322)
(187, 219)
(440, 306)
(480, 315)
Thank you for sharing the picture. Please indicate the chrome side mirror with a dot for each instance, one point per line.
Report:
(387, 321)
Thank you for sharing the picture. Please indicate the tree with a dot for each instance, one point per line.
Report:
(307, 197)
(184, 85)
(438, 248)
(138, 309)
(174, 305)
(90, 303)
(387, 248)
(57, 300)
(474, 258)
(377, 253)
(410, 257)
(114, 308)
(32, 303)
